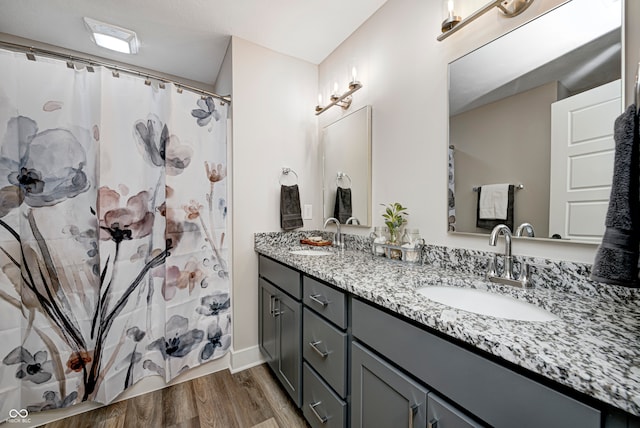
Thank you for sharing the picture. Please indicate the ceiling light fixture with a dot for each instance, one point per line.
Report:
(112, 37)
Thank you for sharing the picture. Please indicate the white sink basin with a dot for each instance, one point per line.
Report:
(311, 252)
(486, 303)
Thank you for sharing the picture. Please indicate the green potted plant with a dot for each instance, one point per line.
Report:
(394, 217)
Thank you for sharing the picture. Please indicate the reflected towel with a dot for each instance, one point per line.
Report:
(494, 199)
(617, 258)
(342, 209)
(290, 212)
(489, 224)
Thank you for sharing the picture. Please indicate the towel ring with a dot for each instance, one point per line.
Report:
(285, 173)
(342, 176)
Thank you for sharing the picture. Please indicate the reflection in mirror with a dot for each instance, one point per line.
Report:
(346, 147)
(536, 107)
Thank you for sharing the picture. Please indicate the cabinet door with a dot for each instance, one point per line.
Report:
(382, 396)
(267, 327)
(288, 314)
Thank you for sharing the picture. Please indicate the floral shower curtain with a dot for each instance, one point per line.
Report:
(113, 254)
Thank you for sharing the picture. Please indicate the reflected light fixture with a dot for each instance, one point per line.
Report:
(509, 9)
(112, 37)
(336, 99)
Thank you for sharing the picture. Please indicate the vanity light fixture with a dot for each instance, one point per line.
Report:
(343, 100)
(452, 19)
(112, 37)
(509, 8)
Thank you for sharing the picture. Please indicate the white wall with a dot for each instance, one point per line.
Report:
(404, 72)
(273, 127)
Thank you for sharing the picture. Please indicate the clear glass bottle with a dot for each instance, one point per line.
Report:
(380, 235)
(411, 244)
(411, 237)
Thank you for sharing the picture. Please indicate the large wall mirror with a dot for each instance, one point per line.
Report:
(346, 148)
(535, 109)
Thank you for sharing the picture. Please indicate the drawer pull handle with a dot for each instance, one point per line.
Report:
(314, 346)
(433, 423)
(276, 311)
(412, 413)
(315, 298)
(312, 406)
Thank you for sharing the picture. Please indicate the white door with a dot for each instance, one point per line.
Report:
(582, 152)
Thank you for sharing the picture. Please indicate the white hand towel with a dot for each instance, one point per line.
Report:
(494, 199)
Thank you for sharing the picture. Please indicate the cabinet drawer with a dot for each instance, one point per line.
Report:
(285, 278)
(492, 392)
(321, 406)
(441, 414)
(325, 348)
(327, 301)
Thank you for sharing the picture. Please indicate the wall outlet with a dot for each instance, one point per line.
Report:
(307, 212)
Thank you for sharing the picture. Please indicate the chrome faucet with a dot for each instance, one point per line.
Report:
(353, 220)
(337, 237)
(507, 278)
(502, 229)
(525, 228)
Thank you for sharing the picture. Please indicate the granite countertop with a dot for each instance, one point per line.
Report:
(593, 348)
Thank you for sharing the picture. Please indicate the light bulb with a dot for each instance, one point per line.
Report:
(319, 99)
(335, 88)
(354, 75)
(450, 8)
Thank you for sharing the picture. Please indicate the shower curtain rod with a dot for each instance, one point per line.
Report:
(113, 67)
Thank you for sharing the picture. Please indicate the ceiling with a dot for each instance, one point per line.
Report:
(189, 38)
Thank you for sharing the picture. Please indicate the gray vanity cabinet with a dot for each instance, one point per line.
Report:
(347, 362)
(280, 323)
(382, 396)
(489, 391)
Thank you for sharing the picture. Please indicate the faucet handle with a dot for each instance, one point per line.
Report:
(492, 267)
(525, 273)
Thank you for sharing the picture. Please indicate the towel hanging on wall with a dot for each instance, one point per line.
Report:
(290, 212)
(617, 257)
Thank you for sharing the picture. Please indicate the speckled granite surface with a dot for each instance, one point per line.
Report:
(594, 348)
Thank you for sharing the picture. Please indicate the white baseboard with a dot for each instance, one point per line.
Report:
(245, 359)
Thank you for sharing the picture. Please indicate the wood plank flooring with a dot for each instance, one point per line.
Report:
(248, 399)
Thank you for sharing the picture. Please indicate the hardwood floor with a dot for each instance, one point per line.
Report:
(248, 399)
